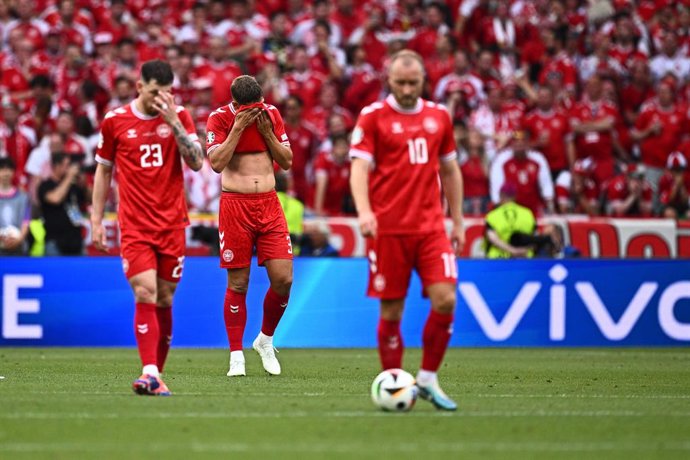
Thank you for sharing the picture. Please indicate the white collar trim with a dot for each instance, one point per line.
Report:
(390, 100)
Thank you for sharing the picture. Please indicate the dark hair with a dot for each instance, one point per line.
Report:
(324, 24)
(7, 163)
(41, 81)
(157, 70)
(246, 90)
(295, 98)
(56, 158)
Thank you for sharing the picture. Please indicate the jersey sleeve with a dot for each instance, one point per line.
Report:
(188, 123)
(279, 128)
(105, 151)
(216, 130)
(449, 150)
(363, 140)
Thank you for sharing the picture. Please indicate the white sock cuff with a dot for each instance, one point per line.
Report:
(151, 369)
(426, 378)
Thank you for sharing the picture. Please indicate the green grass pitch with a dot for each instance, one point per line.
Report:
(514, 403)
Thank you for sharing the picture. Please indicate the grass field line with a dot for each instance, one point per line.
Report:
(578, 396)
(350, 447)
(338, 414)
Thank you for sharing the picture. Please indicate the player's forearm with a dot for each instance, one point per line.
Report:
(221, 156)
(282, 154)
(451, 180)
(191, 150)
(101, 184)
(359, 185)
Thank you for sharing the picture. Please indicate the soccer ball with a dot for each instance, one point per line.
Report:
(394, 390)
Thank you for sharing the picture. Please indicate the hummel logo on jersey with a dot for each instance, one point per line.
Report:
(397, 127)
(131, 133)
(222, 244)
(283, 305)
(234, 308)
(221, 235)
(142, 328)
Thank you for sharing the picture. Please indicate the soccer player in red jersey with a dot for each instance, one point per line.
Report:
(145, 139)
(243, 140)
(410, 141)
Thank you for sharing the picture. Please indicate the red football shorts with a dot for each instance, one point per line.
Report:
(162, 251)
(252, 219)
(392, 258)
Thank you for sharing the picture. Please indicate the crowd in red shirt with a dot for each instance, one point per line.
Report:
(584, 105)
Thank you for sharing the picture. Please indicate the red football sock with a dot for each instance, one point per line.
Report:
(390, 344)
(274, 307)
(435, 338)
(147, 332)
(165, 319)
(235, 313)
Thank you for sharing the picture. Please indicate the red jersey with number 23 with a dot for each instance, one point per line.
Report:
(148, 167)
(406, 148)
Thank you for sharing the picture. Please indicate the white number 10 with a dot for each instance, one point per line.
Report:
(419, 153)
(148, 151)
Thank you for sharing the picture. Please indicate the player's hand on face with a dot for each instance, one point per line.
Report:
(264, 124)
(98, 237)
(164, 102)
(368, 224)
(246, 118)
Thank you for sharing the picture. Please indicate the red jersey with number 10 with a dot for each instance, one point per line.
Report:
(149, 167)
(406, 148)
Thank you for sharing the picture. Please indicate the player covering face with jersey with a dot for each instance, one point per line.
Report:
(243, 141)
(410, 141)
(146, 139)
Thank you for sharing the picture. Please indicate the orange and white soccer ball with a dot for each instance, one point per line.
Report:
(394, 390)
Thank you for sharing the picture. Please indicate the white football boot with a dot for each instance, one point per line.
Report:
(263, 345)
(236, 364)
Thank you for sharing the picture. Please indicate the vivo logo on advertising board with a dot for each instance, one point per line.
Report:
(588, 295)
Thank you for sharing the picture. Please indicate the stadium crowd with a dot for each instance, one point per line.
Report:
(581, 106)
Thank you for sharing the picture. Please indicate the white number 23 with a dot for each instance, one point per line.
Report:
(151, 155)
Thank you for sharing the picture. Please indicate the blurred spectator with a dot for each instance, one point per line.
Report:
(303, 81)
(202, 187)
(492, 122)
(671, 59)
(219, 69)
(461, 79)
(434, 25)
(636, 91)
(62, 200)
(315, 240)
(38, 165)
(277, 43)
(304, 143)
(123, 93)
(505, 221)
(440, 62)
(600, 62)
(70, 74)
(15, 212)
(475, 176)
(576, 192)
(674, 188)
(362, 82)
(347, 17)
(527, 171)
(372, 36)
(324, 58)
(332, 176)
(659, 130)
(550, 130)
(294, 212)
(327, 105)
(74, 25)
(303, 32)
(27, 23)
(16, 141)
(592, 122)
(629, 194)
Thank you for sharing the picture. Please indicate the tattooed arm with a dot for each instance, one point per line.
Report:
(191, 150)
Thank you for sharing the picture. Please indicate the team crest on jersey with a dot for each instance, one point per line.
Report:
(210, 137)
(430, 125)
(228, 255)
(125, 265)
(379, 282)
(163, 130)
(357, 135)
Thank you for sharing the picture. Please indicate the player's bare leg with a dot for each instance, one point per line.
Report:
(437, 332)
(235, 314)
(389, 338)
(147, 333)
(275, 303)
(166, 292)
